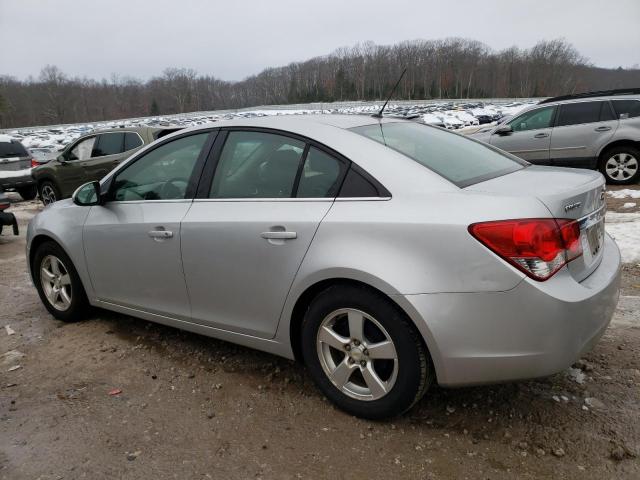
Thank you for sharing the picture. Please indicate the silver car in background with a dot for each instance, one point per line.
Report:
(598, 130)
(385, 254)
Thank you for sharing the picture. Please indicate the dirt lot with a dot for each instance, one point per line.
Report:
(193, 407)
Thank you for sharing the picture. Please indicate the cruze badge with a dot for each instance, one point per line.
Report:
(571, 206)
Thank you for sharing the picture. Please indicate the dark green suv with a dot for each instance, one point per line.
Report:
(90, 158)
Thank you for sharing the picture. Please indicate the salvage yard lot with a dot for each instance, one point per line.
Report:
(118, 397)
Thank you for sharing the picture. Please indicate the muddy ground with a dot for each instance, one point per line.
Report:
(195, 408)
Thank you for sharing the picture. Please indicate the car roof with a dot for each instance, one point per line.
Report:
(125, 129)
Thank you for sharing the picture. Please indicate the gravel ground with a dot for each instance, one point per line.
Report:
(117, 397)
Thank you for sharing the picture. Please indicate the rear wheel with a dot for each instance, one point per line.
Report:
(363, 353)
(621, 165)
(49, 192)
(28, 193)
(58, 283)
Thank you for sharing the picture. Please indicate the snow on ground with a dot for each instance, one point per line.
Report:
(625, 229)
(624, 193)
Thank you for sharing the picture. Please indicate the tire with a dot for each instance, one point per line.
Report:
(621, 165)
(28, 193)
(398, 383)
(75, 306)
(49, 192)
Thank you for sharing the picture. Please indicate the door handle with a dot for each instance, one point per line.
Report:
(603, 129)
(279, 235)
(160, 234)
(541, 135)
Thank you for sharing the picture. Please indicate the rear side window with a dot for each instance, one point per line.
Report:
(577, 113)
(626, 108)
(460, 160)
(257, 165)
(12, 149)
(131, 141)
(108, 144)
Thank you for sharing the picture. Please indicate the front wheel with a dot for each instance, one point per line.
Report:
(620, 165)
(363, 353)
(49, 192)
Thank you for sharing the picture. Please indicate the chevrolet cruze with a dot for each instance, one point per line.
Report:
(385, 254)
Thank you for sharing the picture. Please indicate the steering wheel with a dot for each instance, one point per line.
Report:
(170, 191)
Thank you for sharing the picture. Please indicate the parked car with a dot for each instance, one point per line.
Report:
(597, 130)
(91, 157)
(384, 253)
(6, 218)
(15, 168)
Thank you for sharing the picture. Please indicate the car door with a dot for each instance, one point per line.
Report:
(70, 174)
(530, 135)
(581, 129)
(132, 242)
(248, 230)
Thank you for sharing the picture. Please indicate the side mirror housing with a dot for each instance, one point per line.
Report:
(88, 194)
(504, 130)
(61, 158)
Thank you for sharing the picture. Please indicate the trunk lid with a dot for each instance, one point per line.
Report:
(567, 193)
(13, 156)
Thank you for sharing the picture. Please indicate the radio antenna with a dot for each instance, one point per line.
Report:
(379, 114)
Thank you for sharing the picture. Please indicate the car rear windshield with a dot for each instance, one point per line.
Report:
(12, 149)
(460, 160)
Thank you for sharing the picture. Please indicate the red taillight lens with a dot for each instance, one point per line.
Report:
(538, 246)
(34, 164)
(4, 206)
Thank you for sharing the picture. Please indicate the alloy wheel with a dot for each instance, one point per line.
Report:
(621, 166)
(56, 282)
(357, 354)
(48, 194)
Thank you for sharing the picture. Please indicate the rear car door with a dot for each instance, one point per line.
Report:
(105, 156)
(580, 130)
(530, 136)
(132, 242)
(251, 224)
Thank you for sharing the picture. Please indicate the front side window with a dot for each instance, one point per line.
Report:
(578, 113)
(626, 108)
(320, 175)
(131, 141)
(161, 174)
(533, 120)
(257, 165)
(460, 160)
(82, 150)
(108, 144)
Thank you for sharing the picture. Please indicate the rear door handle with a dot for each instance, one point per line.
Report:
(160, 234)
(541, 135)
(603, 129)
(279, 235)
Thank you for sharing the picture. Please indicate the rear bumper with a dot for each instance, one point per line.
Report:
(17, 182)
(533, 330)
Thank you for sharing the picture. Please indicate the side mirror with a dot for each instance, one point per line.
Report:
(88, 194)
(504, 130)
(61, 159)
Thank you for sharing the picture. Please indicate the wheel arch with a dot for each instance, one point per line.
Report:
(304, 300)
(617, 143)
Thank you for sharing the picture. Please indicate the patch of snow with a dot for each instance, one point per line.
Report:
(624, 193)
(629, 205)
(625, 229)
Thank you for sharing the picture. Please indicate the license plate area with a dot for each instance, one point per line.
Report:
(592, 236)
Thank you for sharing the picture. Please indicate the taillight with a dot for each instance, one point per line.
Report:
(34, 163)
(4, 206)
(537, 246)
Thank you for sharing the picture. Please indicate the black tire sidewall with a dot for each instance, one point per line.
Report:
(28, 193)
(79, 303)
(413, 366)
(613, 151)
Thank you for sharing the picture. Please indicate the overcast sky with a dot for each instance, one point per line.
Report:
(232, 39)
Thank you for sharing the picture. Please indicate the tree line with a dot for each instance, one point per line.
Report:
(448, 68)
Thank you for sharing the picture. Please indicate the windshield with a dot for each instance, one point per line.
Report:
(458, 159)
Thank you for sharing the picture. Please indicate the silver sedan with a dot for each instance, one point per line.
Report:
(385, 254)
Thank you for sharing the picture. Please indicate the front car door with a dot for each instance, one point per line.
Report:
(132, 242)
(247, 233)
(70, 173)
(105, 156)
(580, 130)
(530, 136)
